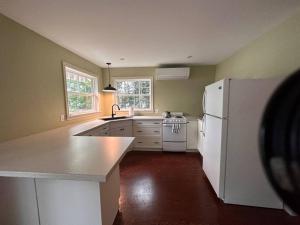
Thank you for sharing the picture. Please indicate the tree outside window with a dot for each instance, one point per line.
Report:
(81, 92)
(134, 93)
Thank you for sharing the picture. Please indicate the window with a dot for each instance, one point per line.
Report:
(134, 92)
(81, 92)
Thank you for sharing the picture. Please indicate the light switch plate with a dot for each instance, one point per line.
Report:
(62, 117)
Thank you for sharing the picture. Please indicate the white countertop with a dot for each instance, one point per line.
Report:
(136, 118)
(58, 154)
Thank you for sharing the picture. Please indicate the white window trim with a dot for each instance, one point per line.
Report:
(87, 74)
(136, 78)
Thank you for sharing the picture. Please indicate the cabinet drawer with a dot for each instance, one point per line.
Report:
(122, 124)
(121, 132)
(103, 133)
(100, 131)
(148, 143)
(138, 123)
(147, 131)
(104, 127)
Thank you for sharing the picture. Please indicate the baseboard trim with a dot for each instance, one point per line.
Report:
(148, 149)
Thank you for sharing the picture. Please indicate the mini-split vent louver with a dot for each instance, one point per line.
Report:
(181, 73)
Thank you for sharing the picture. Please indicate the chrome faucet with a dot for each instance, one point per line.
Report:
(112, 110)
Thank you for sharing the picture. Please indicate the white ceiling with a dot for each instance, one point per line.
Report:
(150, 32)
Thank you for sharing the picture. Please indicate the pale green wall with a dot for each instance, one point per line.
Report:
(276, 53)
(31, 81)
(174, 95)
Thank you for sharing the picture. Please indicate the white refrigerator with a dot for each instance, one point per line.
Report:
(231, 159)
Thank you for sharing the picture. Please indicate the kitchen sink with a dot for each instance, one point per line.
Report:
(114, 118)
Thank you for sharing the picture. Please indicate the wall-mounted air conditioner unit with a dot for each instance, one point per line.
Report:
(181, 73)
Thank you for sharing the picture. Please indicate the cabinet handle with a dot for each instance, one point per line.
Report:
(140, 142)
(122, 129)
(139, 123)
(156, 142)
(156, 123)
(139, 131)
(156, 131)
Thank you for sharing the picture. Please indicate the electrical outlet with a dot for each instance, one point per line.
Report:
(62, 117)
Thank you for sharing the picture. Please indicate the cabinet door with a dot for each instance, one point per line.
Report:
(103, 133)
(18, 203)
(120, 124)
(128, 132)
(116, 132)
(192, 135)
(68, 202)
(98, 131)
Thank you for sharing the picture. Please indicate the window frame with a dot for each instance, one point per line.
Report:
(137, 78)
(95, 93)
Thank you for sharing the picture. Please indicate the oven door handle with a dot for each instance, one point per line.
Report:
(171, 124)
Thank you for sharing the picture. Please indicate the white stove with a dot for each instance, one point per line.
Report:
(174, 132)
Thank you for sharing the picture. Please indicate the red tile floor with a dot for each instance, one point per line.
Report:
(171, 189)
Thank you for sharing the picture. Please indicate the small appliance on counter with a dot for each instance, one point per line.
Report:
(166, 114)
(174, 132)
(130, 111)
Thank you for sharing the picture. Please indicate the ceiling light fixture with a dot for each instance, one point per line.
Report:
(109, 88)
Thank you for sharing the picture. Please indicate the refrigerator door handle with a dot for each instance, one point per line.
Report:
(203, 101)
(203, 124)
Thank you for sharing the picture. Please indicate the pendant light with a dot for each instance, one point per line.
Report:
(109, 88)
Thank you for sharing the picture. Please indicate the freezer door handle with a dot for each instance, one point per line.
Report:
(203, 101)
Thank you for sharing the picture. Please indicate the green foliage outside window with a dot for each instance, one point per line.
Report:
(134, 93)
(81, 91)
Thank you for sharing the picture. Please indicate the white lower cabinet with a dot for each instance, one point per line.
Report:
(98, 131)
(68, 202)
(147, 131)
(192, 134)
(148, 134)
(18, 205)
(148, 142)
(43, 201)
(101, 131)
(121, 128)
(121, 132)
